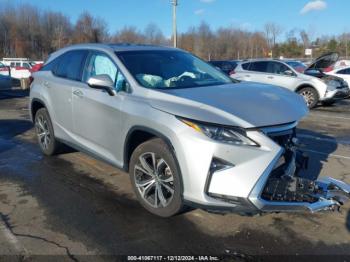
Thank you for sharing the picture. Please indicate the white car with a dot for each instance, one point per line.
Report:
(325, 89)
(343, 72)
(20, 67)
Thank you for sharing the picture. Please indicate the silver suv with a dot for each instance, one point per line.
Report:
(274, 72)
(187, 135)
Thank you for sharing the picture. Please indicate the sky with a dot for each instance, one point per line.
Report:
(318, 17)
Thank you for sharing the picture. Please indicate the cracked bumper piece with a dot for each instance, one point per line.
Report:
(280, 193)
(281, 188)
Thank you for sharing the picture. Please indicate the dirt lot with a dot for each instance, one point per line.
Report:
(71, 206)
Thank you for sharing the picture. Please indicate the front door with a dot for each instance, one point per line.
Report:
(97, 117)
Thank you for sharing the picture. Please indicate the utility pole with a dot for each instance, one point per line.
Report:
(174, 3)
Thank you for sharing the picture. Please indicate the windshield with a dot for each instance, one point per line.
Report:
(295, 64)
(170, 69)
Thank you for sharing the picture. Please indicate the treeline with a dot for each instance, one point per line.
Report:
(27, 31)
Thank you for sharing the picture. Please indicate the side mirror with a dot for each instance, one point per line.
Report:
(103, 82)
(288, 73)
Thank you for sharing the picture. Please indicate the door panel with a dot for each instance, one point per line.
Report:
(97, 121)
(97, 117)
(60, 92)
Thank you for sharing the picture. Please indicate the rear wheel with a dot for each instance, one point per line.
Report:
(310, 96)
(45, 134)
(156, 178)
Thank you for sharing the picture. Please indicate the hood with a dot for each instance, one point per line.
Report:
(243, 104)
(324, 61)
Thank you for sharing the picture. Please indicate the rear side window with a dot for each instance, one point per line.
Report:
(258, 66)
(52, 65)
(70, 65)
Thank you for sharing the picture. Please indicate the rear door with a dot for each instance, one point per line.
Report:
(97, 116)
(66, 74)
(255, 71)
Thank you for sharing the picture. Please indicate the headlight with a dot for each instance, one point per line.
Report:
(333, 85)
(228, 135)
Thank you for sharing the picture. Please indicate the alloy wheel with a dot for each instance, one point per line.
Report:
(308, 97)
(43, 132)
(154, 180)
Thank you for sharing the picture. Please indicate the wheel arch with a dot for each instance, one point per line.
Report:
(138, 135)
(304, 85)
(35, 105)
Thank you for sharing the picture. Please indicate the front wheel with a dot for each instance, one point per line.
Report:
(310, 96)
(156, 178)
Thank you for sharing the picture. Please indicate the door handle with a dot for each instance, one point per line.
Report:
(78, 93)
(247, 75)
(270, 77)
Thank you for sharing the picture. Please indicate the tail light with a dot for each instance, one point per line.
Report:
(232, 72)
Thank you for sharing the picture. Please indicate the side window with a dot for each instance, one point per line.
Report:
(277, 68)
(258, 66)
(70, 65)
(52, 65)
(12, 64)
(246, 66)
(344, 71)
(18, 64)
(100, 64)
(26, 65)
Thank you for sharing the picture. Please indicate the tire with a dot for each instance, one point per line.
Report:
(160, 191)
(45, 133)
(328, 103)
(310, 96)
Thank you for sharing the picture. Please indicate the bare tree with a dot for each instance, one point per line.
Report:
(272, 32)
(129, 34)
(90, 29)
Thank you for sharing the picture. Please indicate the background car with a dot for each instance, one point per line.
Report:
(4, 70)
(343, 72)
(227, 66)
(276, 72)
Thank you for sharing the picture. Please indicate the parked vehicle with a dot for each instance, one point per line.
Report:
(227, 66)
(326, 90)
(4, 70)
(297, 65)
(186, 134)
(20, 67)
(342, 72)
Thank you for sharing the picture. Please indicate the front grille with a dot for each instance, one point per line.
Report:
(283, 183)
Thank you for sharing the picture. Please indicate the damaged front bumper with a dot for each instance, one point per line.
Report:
(282, 189)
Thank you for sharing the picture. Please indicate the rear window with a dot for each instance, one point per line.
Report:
(70, 65)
